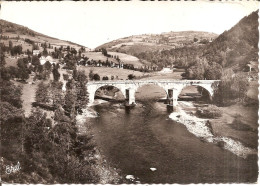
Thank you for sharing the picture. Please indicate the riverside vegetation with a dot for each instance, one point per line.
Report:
(47, 143)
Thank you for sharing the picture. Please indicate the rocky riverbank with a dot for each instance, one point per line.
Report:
(202, 129)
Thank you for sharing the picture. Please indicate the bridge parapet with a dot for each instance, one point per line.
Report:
(152, 81)
(130, 86)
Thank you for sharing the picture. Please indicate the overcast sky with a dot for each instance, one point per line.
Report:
(94, 23)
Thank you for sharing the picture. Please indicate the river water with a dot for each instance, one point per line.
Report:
(133, 141)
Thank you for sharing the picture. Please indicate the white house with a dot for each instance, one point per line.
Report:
(36, 52)
(43, 60)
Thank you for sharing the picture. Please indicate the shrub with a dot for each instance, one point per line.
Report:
(131, 76)
(211, 111)
(65, 77)
(96, 77)
(105, 78)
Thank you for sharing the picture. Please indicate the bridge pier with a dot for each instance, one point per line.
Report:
(130, 96)
(172, 99)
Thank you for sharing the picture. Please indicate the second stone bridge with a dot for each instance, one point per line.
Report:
(172, 87)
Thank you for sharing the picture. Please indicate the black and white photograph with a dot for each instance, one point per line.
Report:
(129, 92)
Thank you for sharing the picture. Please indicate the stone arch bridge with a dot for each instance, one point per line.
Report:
(128, 87)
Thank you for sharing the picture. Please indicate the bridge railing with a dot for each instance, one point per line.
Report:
(153, 81)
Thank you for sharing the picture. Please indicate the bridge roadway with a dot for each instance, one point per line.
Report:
(172, 87)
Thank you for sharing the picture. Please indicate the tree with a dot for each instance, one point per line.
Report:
(13, 71)
(56, 74)
(131, 76)
(11, 93)
(10, 45)
(214, 71)
(82, 77)
(105, 78)
(36, 134)
(91, 74)
(45, 52)
(42, 93)
(16, 50)
(96, 77)
(47, 65)
(70, 101)
(75, 74)
(22, 68)
(23, 74)
(5, 74)
(104, 51)
(65, 77)
(231, 87)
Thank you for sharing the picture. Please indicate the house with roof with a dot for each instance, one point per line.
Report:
(43, 60)
(36, 52)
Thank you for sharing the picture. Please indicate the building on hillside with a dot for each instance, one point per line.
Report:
(21, 41)
(38, 44)
(36, 52)
(43, 60)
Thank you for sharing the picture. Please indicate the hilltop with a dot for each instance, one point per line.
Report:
(21, 35)
(154, 42)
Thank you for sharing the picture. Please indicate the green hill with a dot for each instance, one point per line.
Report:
(18, 35)
(155, 42)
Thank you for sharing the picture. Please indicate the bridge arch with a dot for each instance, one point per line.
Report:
(200, 88)
(92, 89)
(158, 89)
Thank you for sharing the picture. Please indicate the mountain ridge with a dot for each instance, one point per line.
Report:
(164, 40)
(8, 27)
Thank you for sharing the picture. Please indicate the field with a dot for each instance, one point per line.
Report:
(238, 122)
(11, 62)
(37, 38)
(103, 71)
(138, 47)
(98, 56)
(128, 59)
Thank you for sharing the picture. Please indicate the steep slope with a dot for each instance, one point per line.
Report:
(18, 34)
(238, 45)
(234, 48)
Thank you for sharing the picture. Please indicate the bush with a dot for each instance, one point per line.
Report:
(211, 111)
(131, 76)
(105, 78)
(96, 77)
(65, 77)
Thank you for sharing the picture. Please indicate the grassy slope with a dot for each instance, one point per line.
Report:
(138, 47)
(127, 59)
(103, 71)
(244, 131)
(139, 40)
(26, 33)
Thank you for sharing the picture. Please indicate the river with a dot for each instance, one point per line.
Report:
(133, 141)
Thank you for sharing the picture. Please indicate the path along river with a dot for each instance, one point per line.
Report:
(133, 141)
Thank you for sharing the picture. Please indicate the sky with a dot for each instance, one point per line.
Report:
(94, 23)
